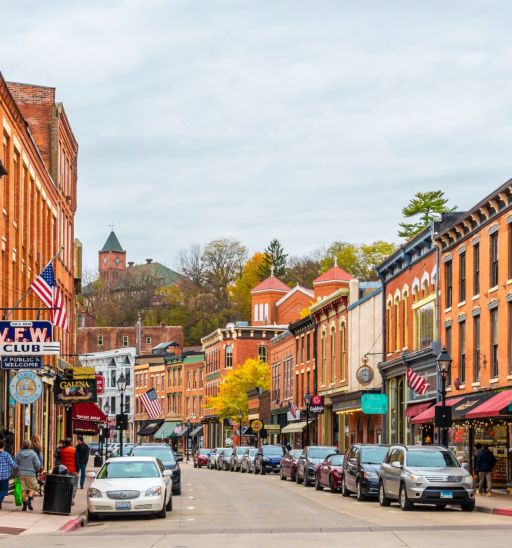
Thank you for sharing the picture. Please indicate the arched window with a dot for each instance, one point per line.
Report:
(262, 353)
(333, 354)
(405, 301)
(343, 331)
(397, 324)
(324, 359)
(228, 357)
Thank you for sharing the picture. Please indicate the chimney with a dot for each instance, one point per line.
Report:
(149, 261)
(130, 263)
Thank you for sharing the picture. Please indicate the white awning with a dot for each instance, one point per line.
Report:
(294, 427)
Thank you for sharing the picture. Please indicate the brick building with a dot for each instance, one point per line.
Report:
(38, 200)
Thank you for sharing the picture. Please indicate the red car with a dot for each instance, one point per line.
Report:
(201, 457)
(289, 464)
(330, 473)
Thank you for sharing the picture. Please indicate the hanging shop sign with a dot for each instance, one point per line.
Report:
(25, 387)
(256, 425)
(73, 391)
(317, 405)
(374, 404)
(30, 338)
(80, 373)
(20, 362)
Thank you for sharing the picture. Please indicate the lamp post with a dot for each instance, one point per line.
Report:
(240, 418)
(106, 408)
(187, 438)
(307, 401)
(121, 386)
(444, 364)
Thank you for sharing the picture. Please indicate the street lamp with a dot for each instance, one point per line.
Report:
(106, 408)
(121, 386)
(444, 365)
(240, 418)
(307, 401)
(187, 438)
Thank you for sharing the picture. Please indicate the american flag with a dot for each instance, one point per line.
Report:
(46, 288)
(294, 410)
(416, 383)
(151, 403)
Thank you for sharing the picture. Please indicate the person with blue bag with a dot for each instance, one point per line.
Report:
(7, 468)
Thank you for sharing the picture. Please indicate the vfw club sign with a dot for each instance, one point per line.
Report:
(27, 338)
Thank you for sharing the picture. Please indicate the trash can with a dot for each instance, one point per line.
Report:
(98, 461)
(58, 494)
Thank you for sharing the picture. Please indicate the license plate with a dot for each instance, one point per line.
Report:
(446, 494)
(123, 505)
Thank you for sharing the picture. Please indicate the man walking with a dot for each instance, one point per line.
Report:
(69, 460)
(29, 466)
(82, 457)
(7, 467)
(485, 462)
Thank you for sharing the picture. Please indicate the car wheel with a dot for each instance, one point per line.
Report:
(163, 512)
(359, 492)
(468, 506)
(199, 466)
(281, 475)
(293, 476)
(256, 471)
(318, 486)
(405, 504)
(344, 491)
(306, 481)
(331, 485)
(195, 465)
(92, 516)
(383, 500)
(169, 504)
(440, 506)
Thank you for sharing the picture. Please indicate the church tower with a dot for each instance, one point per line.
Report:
(112, 260)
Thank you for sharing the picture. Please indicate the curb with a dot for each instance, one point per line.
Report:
(73, 524)
(496, 511)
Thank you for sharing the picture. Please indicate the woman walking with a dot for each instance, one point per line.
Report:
(28, 465)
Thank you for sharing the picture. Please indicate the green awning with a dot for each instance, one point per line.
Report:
(165, 431)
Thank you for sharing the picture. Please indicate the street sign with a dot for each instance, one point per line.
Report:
(256, 425)
(30, 349)
(26, 387)
(374, 404)
(20, 362)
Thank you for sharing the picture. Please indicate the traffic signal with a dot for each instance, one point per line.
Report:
(122, 422)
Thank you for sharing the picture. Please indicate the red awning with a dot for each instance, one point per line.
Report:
(413, 409)
(493, 406)
(88, 412)
(85, 427)
(429, 414)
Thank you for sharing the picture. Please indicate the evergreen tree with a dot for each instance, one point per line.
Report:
(274, 256)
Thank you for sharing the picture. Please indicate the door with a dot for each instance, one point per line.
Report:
(393, 474)
(352, 469)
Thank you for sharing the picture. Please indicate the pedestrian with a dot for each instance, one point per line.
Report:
(37, 446)
(478, 449)
(28, 465)
(69, 460)
(56, 455)
(485, 462)
(82, 457)
(288, 447)
(7, 467)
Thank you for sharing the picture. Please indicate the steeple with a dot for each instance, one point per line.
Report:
(112, 260)
(112, 244)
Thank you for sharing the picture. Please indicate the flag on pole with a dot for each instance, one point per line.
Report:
(46, 288)
(294, 410)
(151, 403)
(416, 382)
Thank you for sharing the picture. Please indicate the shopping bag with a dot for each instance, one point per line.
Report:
(18, 492)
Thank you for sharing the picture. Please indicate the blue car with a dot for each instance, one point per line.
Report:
(268, 459)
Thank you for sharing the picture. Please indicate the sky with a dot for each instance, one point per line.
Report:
(307, 121)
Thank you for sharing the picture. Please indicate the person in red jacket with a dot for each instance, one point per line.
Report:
(68, 459)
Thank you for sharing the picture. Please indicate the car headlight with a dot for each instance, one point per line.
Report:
(154, 491)
(416, 478)
(468, 480)
(370, 475)
(94, 493)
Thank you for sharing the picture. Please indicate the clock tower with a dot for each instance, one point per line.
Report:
(112, 260)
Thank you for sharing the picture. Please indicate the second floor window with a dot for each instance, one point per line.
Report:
(262, 353)
(333, 354)
(228, 359)
(125, 341)
(476, 269)
(100, 340)
(449, 286)
(494, 259)
(424, 320)
(462, 277)
(462, 352)
(343, 330)
(476, 348)
(494, 342)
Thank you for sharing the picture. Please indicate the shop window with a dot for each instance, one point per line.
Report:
(228, 357)
(494, 342)
(448, 283)
(462, 277)
(462, 352)
(424, 325)
(494, 259)
(476, 348)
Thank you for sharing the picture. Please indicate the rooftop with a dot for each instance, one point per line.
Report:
(112, 244)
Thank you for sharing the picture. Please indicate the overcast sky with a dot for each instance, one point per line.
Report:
(305, 120)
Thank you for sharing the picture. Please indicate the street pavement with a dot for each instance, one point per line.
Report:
(239, 510)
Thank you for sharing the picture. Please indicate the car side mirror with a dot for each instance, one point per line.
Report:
(167, 473)
(396, 464)
(91, 475)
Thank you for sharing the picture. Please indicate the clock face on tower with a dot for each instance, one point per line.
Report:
(105, 260)
(117, 260)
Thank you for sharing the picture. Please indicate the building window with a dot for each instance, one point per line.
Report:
(476, 269)
(405, 301)
(308, 349)
(476, 348)
(462, 277)
(510, 251)
(462, 352)
(324, 359)
(510, 338)
(127, 376)
(255, 312)
(448, 344)
(262, 353)
(113, 378)
(390, 328)
(343, 330)
(494, 342)
(424, 325)
(266, 312)
(397, 324)
(228, 358)
(148, 340)
(333, 354)
(449, 282)
(100, 339)
(494, 259)
(113, 408)
(297, 350)
(302, 349)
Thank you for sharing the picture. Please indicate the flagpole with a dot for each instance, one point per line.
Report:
(27, 291)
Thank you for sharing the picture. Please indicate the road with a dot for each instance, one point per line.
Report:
(244, 511)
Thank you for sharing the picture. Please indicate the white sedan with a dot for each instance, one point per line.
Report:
(130, 485)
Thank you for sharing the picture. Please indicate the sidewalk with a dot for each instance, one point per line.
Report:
(500, 503)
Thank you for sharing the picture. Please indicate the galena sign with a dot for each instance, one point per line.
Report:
(27, 338)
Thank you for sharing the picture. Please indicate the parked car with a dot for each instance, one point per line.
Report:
(289, 464)
(329, 473)
(130, 485)
(164, 453)
(201, 457)
(361, 470)
(309, 459)
(212, 460)
(426, 475)
(236, 458)
(94, 447)
(127, 449)
(223, 460)
(247, 463)
(268, 458)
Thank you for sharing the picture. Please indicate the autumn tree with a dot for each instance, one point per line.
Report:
(428, 206)
(274, 256)
(240, 291)
(303, 270)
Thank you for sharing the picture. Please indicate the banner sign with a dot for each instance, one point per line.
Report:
(374, 404)
(26, 387)
(20, 362)
(73, 391)
(36, 331)
(317, 405)
(30, 349)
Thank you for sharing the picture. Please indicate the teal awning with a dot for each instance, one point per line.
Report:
(165, 431)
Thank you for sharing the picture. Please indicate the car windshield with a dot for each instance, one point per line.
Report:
(241, 450)
(296, 453)
(431, 459)
(373, 455)
(204, 451)
(165, 455)
(252, 452)
(273, 450)
(320, 452)
(337, 460)
(133, 469)
(228, 452)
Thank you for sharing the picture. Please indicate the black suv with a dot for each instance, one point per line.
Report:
(361, 469)
(166, 455)
(311, 457)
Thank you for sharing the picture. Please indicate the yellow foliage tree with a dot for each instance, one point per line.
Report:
(232, 397)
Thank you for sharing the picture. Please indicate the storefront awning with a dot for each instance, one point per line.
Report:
(148, 428)
(87, 411)
(497, 405)
(413, 409)
(198, 430)
(429, 414)
(165, 431)
(180, 431)
(294, 427)
(85, 427)
(468, 403)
